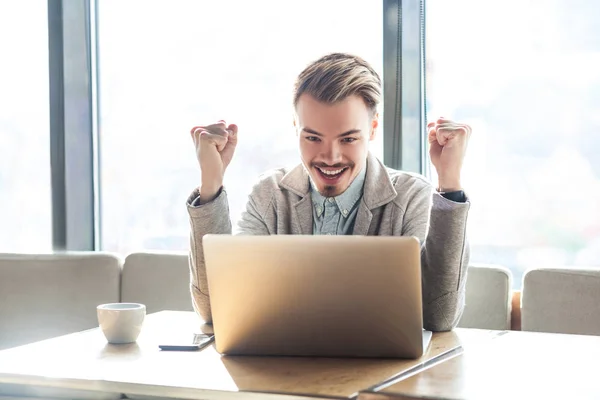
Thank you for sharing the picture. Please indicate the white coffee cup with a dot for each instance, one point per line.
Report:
(121, 322)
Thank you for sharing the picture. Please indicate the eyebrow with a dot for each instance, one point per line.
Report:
(313, 132)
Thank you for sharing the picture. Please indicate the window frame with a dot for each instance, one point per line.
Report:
(73, 134)
(404, 85)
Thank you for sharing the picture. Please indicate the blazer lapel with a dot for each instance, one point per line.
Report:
(302, 217)
(377, 191)
(363, 220)
(296, 181)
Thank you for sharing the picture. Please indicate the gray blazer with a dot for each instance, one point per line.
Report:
(393, 203)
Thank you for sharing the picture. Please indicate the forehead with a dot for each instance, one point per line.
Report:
(350, 113)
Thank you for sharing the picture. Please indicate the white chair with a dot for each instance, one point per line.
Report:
(161, 281)
(43, 296)
(561, 300)
(29, 392)
(488, 298)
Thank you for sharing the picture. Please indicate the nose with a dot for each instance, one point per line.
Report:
(332, 153)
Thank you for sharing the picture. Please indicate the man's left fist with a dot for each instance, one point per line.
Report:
(447, 147)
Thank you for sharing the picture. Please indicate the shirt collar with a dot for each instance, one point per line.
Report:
(345, 201)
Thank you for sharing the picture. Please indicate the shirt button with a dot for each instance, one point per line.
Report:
(345, 212)
(330, 200)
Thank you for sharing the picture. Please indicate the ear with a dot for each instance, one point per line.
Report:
(295, 122)
(374, 126)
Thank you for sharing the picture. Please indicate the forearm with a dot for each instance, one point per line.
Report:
(444, 262)
(208, 218)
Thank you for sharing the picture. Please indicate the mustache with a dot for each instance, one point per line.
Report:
(337, 165)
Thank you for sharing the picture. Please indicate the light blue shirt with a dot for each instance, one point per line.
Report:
(336, 215)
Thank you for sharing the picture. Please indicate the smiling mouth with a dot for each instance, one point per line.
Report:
(331, 174)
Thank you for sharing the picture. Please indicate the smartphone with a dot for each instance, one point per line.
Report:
(199, 341)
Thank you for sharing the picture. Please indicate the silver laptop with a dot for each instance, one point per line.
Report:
(304, 295)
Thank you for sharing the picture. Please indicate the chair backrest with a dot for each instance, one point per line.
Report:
(161, 281)
(561, 300)
(488, 298)
(42, 296)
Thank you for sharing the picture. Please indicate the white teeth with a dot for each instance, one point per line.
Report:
(331, 172)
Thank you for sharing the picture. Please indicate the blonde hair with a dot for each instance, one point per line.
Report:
(336, 76)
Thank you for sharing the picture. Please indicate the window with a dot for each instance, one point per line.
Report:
(192, 62)
(25, 189)
(524, 74)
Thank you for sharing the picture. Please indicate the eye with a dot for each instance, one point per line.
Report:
(313, 139)
(348, 140)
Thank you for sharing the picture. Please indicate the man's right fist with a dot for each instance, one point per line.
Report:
(215, 145)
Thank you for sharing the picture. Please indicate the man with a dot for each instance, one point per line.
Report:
(340, 188)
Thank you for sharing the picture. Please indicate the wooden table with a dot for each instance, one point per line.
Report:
(84, 366)
(514, 365)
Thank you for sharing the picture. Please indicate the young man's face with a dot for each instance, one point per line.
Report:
(334, 141)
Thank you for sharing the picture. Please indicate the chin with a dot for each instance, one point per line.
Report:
(332, 191)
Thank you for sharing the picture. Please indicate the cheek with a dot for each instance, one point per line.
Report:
(306, 150)
(358, 154)
(359, 149)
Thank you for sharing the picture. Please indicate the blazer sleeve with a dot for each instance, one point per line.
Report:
(440, 224)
